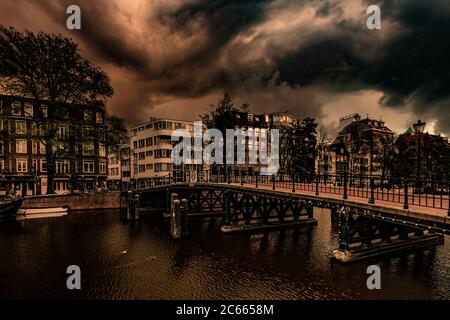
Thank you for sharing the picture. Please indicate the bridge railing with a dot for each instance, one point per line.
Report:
(419, 192)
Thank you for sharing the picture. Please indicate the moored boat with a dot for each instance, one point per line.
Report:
(9, 208)
(37, 213)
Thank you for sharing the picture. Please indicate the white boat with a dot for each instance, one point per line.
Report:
(37, 213)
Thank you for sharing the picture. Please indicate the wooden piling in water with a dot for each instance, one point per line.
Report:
(175, 221)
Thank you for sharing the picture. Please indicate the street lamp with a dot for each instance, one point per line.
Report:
(419, 128)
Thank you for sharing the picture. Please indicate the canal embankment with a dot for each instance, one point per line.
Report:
(82, 201)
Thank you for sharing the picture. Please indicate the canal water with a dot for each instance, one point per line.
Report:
(140, 261)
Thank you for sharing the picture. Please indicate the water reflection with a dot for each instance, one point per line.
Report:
(140, 260)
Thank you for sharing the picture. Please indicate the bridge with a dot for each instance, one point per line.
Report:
(375, 217)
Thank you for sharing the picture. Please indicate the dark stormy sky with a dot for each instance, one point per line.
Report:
(310, 57)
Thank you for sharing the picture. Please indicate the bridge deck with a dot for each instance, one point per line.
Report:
(424, 213)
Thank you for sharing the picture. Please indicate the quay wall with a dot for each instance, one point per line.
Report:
(82, 201)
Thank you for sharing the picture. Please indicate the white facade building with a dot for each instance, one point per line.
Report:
(151, 150)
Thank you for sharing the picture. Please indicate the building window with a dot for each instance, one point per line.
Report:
(102, 167)
(163, 167)
(34, 164)
(98, 118)
(102, 151)
(42, 148)
(28, 110)
(141, 143)
(149, 142)
(63, 132)
(149, 166)
(34, 146)
(88, 166)
(2, 148)
(163, 153)
(141, 155)
(88, 131)
(142, 168)
(2, 165)
(21, 146)
(101, 135)
(21, 165)
(21, 127)
(149, 153)
(44, 111)
(135, 144)
(43, 165)
(88, 115)
(88, 149)
(63, 167)
(16, 109)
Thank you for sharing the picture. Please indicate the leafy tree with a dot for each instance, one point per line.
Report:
(220, 115)
(50, 68)
(116, 132)
(300, 152)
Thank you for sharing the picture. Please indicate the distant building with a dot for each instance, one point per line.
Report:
(119, 168)
(423, 155)
(151, 151)
(325, 164)
(360, 145)
(22, 149)
(257, 123)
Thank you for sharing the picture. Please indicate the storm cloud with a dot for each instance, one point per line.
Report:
(280, 55)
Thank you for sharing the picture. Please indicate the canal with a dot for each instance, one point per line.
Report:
(140, 261)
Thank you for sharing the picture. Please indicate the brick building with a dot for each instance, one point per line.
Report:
(80, 138)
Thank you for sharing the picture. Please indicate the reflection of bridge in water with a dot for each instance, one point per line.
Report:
(373, 220)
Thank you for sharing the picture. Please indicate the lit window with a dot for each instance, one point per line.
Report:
(102, 151)
(28, 108)
(88, 149)
(21, 146)
(63, 132)
(62, 167)
(42, 148)
(21, 165)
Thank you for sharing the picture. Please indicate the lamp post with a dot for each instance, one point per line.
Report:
(419, 127)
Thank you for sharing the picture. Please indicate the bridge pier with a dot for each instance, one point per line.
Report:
(363, 237)
(247, 211)
(132, 211)
(175, 220)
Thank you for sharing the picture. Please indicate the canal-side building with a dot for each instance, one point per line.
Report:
(258, 123)
(325, 163)
(119, 168)
(80, 139)
(360, 146)
(422, 154)
(151, 152)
